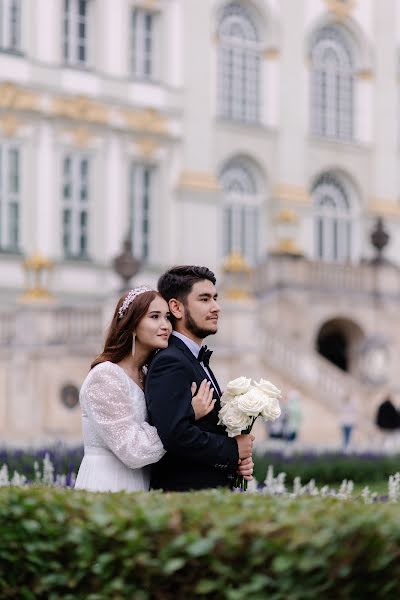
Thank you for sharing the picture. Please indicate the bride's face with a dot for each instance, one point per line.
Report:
(154, 329)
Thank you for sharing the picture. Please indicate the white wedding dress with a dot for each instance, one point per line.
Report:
(119, 443)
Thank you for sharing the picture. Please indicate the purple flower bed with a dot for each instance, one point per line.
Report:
(329, 467)
(66, 460)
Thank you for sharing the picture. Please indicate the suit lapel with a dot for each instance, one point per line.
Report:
(201, 372)
(214, 381)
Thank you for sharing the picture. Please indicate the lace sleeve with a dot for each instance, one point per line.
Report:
(112, 412)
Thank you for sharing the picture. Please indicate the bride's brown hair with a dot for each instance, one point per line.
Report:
(118, 342)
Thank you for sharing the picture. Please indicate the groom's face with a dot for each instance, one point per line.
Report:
(201, 310)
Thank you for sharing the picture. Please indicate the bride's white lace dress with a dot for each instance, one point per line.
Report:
(119, 443)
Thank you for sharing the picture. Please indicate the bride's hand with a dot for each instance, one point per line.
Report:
(203, 401)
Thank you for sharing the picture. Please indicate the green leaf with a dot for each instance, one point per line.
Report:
(200, 547)
(172, 565)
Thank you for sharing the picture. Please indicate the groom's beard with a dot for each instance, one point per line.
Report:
(192, 326)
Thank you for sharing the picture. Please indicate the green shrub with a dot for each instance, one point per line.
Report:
(328, 468)
(58, 543)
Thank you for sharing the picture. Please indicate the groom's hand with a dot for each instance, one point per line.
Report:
(245, 444)
(246, 467)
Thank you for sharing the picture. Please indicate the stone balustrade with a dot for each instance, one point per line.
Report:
(35, 326)
(7, 327)
(287, 272)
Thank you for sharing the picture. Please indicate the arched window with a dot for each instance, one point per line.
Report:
(332, 81)
(241, 210)
(238, 65)
(334, 219)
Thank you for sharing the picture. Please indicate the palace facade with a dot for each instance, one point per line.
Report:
(258, 137)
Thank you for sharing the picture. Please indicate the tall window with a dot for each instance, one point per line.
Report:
(10, 25)
(238, 65)
(332, 80)
(76, 31)
(75, 212)
(241, 211)
(143, 56)
(142, 179)
(10, 201)
(333, 219)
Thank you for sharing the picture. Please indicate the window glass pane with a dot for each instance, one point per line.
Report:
(238, 65)
(332, 84)
(333, 218)
(320, 237)
(9, 196)
(13, 166)
(142, 24)
(67, 230)
(67, 166)
(15, 24)
(140, 207)
(75, 193)
(13, 225)
(76, 31)
(83, 236)
(67, 216)
(81, 53)
(241, 211)
(67, 191)
(82, 31)
(82, 8)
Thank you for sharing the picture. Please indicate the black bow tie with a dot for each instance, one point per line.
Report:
(204, 356)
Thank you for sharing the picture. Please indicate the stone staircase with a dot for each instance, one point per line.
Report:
(322, 384)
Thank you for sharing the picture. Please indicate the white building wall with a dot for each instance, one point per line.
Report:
(195, 144)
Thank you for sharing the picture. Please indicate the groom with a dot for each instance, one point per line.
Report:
(199, 453)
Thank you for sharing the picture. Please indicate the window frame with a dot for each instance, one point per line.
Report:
(141, 207)
(8, 197)
(334, 223)
(239, 95)
(10, 27)
(71, 21)
(333, 87)
(241, 211)
(78, 231)
(137, 43)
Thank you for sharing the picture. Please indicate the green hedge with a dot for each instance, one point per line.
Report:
(328, 468)
(74, 545)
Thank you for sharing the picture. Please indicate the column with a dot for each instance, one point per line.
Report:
(386, 111)
(197, 229)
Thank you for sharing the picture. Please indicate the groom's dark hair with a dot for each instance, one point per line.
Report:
(178, 281)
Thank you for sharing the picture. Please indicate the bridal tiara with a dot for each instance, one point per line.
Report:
(130, 298)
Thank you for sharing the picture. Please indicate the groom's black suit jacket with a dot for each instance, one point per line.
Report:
(199, 453)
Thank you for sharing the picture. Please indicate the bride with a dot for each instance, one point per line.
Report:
(119, 443)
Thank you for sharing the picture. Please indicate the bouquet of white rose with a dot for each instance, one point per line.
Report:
(241, 404)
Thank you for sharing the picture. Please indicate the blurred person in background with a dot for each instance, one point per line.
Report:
(294, 415)
(348, 420)
(277, 429)
(388, 422)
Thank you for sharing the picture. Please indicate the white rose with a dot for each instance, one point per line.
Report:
(269, 388)
(234, 419)
(253, 402)
(238, 386)
(227, 398)
(272, 410)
